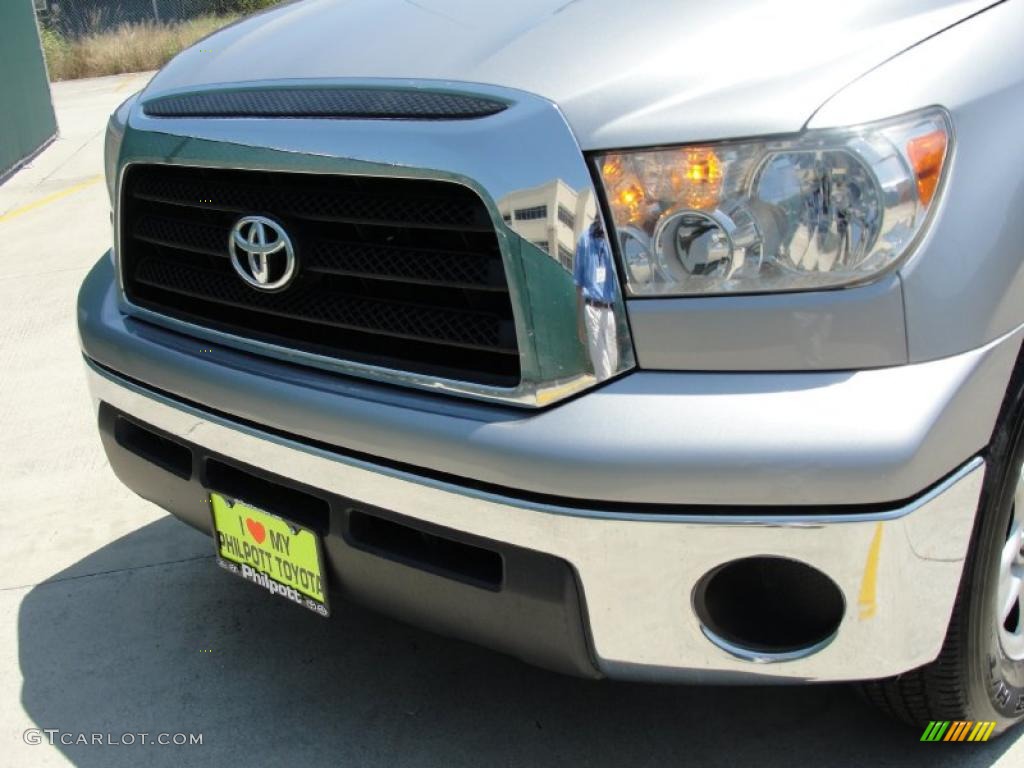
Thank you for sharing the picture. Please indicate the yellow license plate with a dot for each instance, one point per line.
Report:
(280, 556)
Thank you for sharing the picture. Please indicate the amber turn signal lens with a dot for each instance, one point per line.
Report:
(698, 182)
(927, 154)
(631, 197)
(611, 168)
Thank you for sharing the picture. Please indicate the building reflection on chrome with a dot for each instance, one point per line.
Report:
(566, 226)
(551, 216)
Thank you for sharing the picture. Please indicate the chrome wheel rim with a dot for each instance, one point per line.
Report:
(1010, 605)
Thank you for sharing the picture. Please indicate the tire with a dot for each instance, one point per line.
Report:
(974, 678)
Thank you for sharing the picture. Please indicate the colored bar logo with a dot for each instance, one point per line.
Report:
(958, 730)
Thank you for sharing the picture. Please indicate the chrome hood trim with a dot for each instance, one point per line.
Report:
(663, 71)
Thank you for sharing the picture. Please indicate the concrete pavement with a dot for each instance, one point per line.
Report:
(114, 617)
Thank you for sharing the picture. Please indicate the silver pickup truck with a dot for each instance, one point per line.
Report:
(676, 342)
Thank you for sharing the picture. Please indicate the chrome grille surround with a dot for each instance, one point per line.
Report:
(526, 149)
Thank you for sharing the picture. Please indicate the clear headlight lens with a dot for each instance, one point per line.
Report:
(828, 208)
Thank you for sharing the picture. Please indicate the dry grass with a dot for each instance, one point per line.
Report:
(128, 48)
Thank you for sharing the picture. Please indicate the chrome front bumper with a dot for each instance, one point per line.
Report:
(898, 570)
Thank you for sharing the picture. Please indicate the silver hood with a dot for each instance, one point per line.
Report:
(624, 74)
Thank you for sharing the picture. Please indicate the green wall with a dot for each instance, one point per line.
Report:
(26, 113)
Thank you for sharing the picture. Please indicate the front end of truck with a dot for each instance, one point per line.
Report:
(619, 393)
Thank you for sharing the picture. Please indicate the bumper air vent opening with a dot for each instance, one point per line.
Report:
(153, 447)
(430, 552)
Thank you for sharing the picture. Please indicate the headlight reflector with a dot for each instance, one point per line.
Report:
(825, 209)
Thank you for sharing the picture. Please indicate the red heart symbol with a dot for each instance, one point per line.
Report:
(256, 530)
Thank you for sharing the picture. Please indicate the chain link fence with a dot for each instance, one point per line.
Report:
(75, 18)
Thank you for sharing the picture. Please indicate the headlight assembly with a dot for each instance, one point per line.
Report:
(825, 209)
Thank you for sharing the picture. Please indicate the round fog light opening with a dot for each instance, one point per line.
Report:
(768, 608)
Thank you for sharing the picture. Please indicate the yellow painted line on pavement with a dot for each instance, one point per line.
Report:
(128, 81)
(52, 198)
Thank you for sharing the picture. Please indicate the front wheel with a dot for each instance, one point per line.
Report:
(979, 674)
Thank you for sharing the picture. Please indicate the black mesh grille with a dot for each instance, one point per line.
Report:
(336, 103)
(403, 273)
